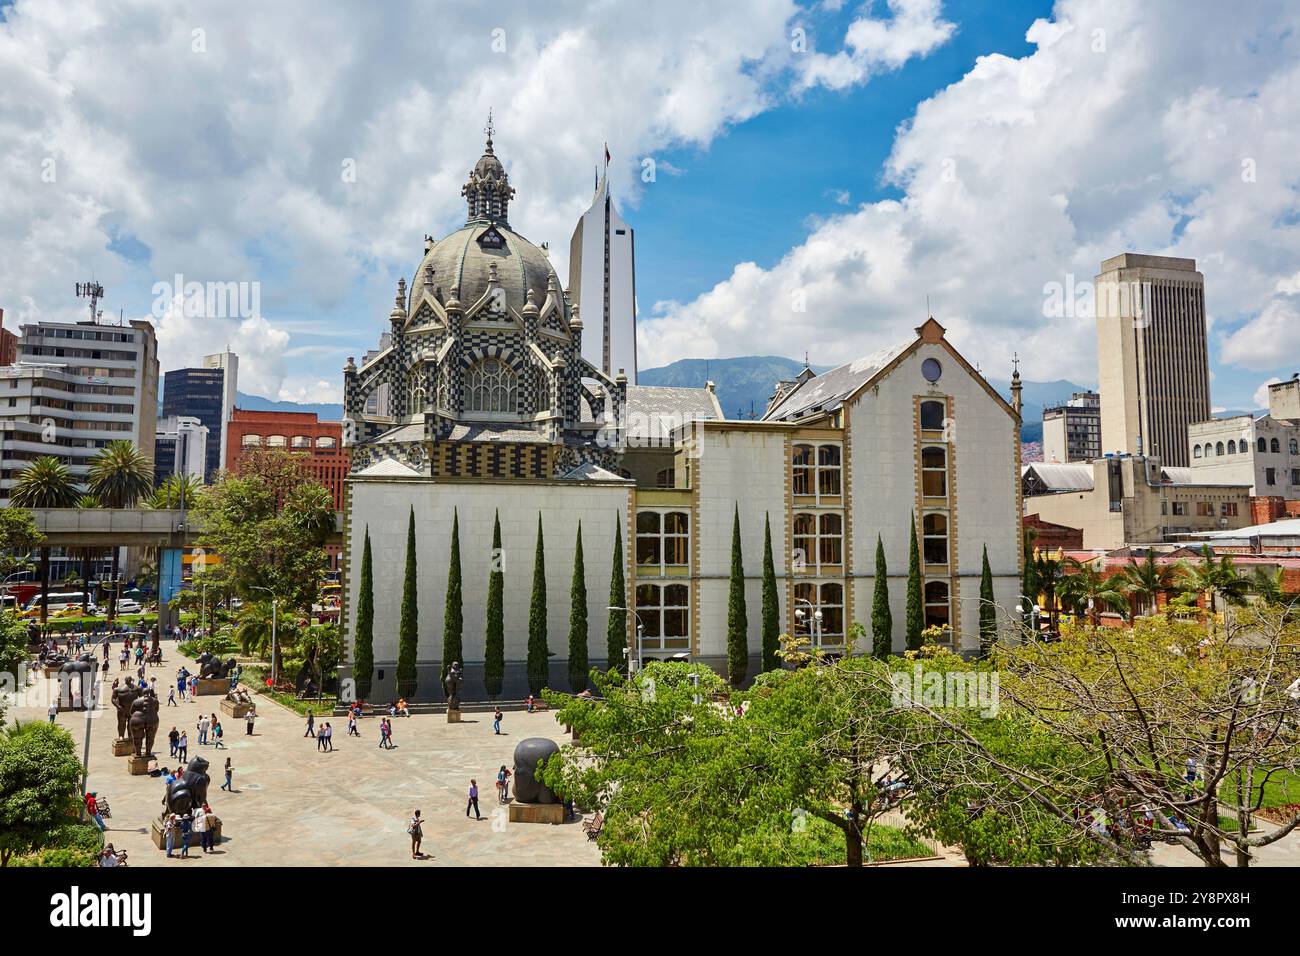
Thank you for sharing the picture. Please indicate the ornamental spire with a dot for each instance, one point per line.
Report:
(488, 192)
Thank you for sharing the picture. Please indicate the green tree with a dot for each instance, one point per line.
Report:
(494, 645)
(408, 632)
(1216, 578)
(40, 782)
(988, 617)
(453, 615)
(915, 614)
(771, 603)
(120, 475)
(13, 646)
(363, 651)
(616, 630)
(882, 618)
(538, 652)
(1086, 590)
(176, 491)
(1147, 579)
(737, 618)
(578, 667)
(45, 483)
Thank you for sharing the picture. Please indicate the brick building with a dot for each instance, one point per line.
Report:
(321, 443)
(8, 343)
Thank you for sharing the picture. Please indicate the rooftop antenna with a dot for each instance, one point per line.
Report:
(93, 291)
(927, 305)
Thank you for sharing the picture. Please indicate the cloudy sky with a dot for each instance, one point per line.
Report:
(849, 159)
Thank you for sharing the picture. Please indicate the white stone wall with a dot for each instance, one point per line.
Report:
(384, 506)
(744, 469)
(883, 482)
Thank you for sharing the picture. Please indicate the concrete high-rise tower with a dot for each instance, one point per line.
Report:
(1152, 359)
(602, 282)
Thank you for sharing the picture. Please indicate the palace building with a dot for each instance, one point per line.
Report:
(480, 406)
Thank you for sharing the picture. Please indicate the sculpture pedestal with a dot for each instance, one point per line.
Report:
(453, 716)
(159, 836)
(122, 747)
(536, 812)
(235, 709)
(138, 766)
(52, 670)
(211, 686)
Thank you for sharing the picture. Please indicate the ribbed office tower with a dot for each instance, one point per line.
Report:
(1153, 363)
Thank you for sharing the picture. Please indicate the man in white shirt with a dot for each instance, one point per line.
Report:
(200, 826)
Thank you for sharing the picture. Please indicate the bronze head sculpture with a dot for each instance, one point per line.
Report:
(528, 756)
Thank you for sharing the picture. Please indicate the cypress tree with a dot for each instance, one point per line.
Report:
(737, 619)
(616, 634)
(538, 665)
(494, 646)
(363, 647)
(882, 619)
(408, 632)
(453, 617)
(988, 609)
(771, 605)
(578, 621)
(915, 614)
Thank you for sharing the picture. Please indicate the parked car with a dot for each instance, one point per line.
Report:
(128, 606)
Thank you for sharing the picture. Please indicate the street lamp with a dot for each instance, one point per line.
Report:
(814, 624)
(275, 646)
(91, 704)
(1033, 609)
(640, 633)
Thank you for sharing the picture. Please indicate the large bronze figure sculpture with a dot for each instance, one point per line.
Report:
(190, 790)
(144, 723)
(213, 668)
(451, 684)
(124, 695)
(528, 755)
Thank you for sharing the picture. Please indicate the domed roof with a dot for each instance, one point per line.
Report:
(465, 259)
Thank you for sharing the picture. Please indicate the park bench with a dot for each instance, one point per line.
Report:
(593, 826)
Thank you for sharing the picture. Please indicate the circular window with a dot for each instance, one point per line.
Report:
(931, 369)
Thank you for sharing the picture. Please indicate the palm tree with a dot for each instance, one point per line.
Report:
(175, 490)
(1087, 588)
(45, 483)
(1147, 579)
(85, 502)
(120, 475)
(1049, 571)
(1216, 578)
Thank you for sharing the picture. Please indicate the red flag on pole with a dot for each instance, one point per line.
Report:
(607, 154)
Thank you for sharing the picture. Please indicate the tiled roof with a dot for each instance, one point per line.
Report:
(825, 392)
(653, 411)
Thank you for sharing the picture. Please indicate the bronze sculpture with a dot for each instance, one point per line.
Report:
(190, 790)
(124, 696)
(77, 682)
(212, 668)
(451, 684)
(528, 756)
(144, 723)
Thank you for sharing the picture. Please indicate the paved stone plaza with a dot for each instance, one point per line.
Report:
(295, 806)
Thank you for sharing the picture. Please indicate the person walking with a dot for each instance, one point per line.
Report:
(416, 830)
(320, 738)
(171, 697)
(230, 773)
(183, 746)
(311, 725)
(203, 728)
(329, 738)
(496, 722)
(218, 732)
(53, 710)
(249, 718)
(92, 810)
(385, 734)
(352, 725)
(121, 659)
(473, 800)
(174, 738)
(187, 830)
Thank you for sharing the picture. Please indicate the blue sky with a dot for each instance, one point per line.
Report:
(977, 153)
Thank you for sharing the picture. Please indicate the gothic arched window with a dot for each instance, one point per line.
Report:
(491, 386)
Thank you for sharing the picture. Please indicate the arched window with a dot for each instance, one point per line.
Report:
(818, 540)
(804, 533)
(662, 539)
(1218, 448)
(1244, 447)
(541, 389)
(934, 538)
(827, 598)
(937, 611)
(1197, 452)
(1263, 444)
(300, 441)
(830, 539)
(934, 472)
(251, 441)
(932, 416)
(1275, 446)
(276, 441)
(325, 441)
(666, 477)
(1294, 447)
(1232, 446)
(491, 386)
(828, 470)
(417, 402)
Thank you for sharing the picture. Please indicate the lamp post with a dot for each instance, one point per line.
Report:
(1034, 609)
(814, 623)
(640, 633)
(275, 646)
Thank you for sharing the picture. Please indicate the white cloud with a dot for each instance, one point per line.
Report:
(1126, 129)
(877, 45)
(1261, 393)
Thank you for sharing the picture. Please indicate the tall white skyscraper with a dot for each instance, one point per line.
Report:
(228, 362)
(602, 281)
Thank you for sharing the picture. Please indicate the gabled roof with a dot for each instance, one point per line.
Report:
(388, 468)
(653, 411)
(588, 471)
(1054, 477)
(826, 392)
